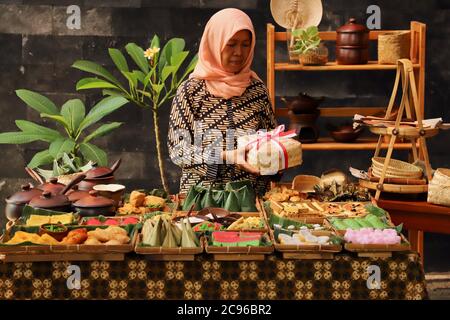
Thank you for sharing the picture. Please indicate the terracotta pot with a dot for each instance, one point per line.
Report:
(50, 201)
(352, 43)
(303, 103)
(16, 202)
(350, 56)
(52, 186)
(102, 172)
(88, 184)
(95, 205)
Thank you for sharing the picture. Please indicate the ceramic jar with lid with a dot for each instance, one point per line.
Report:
(16, 202)
(352, 43)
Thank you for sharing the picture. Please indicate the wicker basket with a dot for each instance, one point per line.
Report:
(439, 187)
(393, 46)
(396, 169)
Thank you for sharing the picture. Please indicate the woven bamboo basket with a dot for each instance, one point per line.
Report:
(439, 187)
(396, 169)
(393, 46)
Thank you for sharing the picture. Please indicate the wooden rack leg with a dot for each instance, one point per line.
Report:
(424, 149)
(385, 166)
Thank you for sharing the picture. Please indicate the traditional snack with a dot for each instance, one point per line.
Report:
(137, 198)
(113, 235)
(21, 237)
(372, 236)
(248, 223)
(77, 236)
(37, 220)
(154, 202)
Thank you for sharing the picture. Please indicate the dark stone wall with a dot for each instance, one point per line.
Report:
(37, 50)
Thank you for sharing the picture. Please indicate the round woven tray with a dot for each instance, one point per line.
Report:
(393, 174)
(395, 165)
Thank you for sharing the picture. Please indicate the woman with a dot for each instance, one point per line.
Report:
(222, 99)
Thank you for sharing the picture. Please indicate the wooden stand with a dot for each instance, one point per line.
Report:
(28, 257)
(416, 135)
(417, 56)
(308, 256)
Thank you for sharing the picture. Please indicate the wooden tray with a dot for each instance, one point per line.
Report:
(394, 188)
(405, 131)
(81, 252)
(378, 250)
(168, 254)
(248, 253)
(307, 252)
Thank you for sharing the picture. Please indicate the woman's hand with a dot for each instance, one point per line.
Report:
(239, 158)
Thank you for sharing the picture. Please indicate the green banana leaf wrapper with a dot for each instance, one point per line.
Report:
(236, 196)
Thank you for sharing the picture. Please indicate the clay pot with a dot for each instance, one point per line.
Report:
(95, 205)
(352, 43)
(303, 103)
(16, 202)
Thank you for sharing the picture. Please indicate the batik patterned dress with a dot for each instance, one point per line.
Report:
(201, 125)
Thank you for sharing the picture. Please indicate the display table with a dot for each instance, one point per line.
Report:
(418, 217)
(344, 277)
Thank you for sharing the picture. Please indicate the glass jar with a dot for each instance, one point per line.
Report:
(315, 57)
(290, 42)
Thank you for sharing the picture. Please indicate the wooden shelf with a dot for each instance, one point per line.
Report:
(337, 112)
(361, 144)
(333, 66)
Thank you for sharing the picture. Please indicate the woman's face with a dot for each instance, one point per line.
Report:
(236, 51)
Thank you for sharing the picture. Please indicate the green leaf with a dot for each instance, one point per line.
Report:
(399, 228)
(132, 78)
(139, 75)
(155, 43)
(114, 93)
(58, 118)
(19, 137)
(59, 147)
(68, 162)
(137, 54)
(118, 59)
(48, 135)
(37, 101)
(93, 153)
(167, 71)
(73, 112)
(94, 83)
(157, 87)
(190, 67)
(46, 174)
(40, 159)
(103, 130)
(177, 59)
(172, 47)
(102, 109)
(97, 69)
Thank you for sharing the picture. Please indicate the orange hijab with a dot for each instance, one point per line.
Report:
(218, 31)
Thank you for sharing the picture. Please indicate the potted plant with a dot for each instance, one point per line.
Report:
(308, 46)
(150, 86)
(71, 149)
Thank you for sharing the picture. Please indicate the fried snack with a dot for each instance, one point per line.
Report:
(154, 202)
(100, 234)
(77, 236)
(48, 239)
(92, 241)
(137, 198)
(122, 239)
(295, 199)
(21, 236)
(115, 230)
(113, 242)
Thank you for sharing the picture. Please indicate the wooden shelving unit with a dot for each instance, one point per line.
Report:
(417, 56)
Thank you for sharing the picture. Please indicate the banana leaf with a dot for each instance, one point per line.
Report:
(232, 202)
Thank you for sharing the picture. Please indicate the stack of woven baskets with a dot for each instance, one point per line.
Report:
(396, 169)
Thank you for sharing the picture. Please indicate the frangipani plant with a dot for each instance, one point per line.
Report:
(150, 86)
(70, 149)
